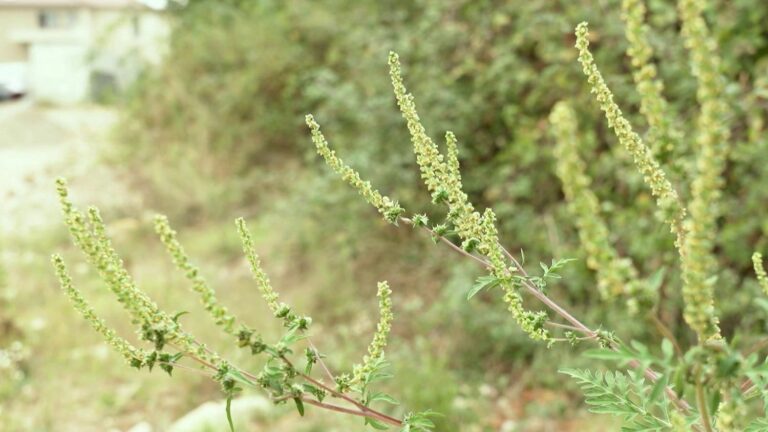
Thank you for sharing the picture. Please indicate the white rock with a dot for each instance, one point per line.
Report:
(141, 427)
(211, 416)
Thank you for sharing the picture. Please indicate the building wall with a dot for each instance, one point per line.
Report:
(11, 21)
(110, 46)
(58, 72)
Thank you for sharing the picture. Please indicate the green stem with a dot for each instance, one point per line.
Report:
(701, 401)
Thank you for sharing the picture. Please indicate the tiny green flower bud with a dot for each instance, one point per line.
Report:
(393, 212)
(244, 337)
(440, 196)
(440, 230)
(420, 220)
(282, 311)
(470, 244)
(257, 346)
(303, 323)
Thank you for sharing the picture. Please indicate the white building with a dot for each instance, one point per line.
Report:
(67, 51)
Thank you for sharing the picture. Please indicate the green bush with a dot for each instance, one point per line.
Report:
(220, 122)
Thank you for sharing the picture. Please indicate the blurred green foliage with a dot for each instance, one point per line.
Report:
(219, 126)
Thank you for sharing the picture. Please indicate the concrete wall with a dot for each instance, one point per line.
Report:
(11, 21)
(58, 72)
(112, 45)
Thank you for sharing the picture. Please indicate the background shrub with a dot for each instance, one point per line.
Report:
(222, 122)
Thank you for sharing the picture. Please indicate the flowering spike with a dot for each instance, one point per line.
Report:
(91, 237)
(379, 342)
(699, 264)
(654, 176)
(259, 275)
(96, 246)
(452, 153)
(615, 275)
(662, 137)
(443, 181)
(389, 208)
(168, 236)
(762, 277)
(130, 353)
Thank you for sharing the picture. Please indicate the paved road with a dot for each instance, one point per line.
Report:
(38, 144)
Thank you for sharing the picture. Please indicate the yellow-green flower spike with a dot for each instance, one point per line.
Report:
(428, 157)
(259, 275)
(122, 346)
(662, 137)
(440, 178)
(91, 237)
(615, 275)
(388, 208)
(113, 272)
(221, 315)
(654, 176)
(452, 153)
(379, 342)
(74, 220)
(699, 264)
(762, 277)
(443, 181)
(95, 244)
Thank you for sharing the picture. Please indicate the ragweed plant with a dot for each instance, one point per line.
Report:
(474, 235)
(616, 275)
(728, 386)
(711, 386)
(287, 375)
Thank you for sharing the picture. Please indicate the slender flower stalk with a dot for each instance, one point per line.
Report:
(662, 137)
(654, 176)
(762, 277)
(444, 183)
(616, 275)
(259, 275)
(379, 342)
(700, 268)
(389, 208)
(130, 353)
(221, 315)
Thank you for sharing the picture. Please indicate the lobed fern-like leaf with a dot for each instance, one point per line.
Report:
(623, 395)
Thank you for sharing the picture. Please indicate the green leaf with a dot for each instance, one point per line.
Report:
(481, 283)
(714, 401)
(237, 376)
(176, 317)
(616, 393)
(762, 303)
(759, 425)
(656, 279)
(229, 414)
(667, 349)
(299, 406)
(375, 424)
(384, 398)
(658, 389)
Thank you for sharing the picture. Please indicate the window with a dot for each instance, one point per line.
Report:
(56, 19)
(136, 24)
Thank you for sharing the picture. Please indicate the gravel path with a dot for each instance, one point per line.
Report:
(38, 144)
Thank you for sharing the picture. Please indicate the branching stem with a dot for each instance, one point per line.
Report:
(649, 373)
